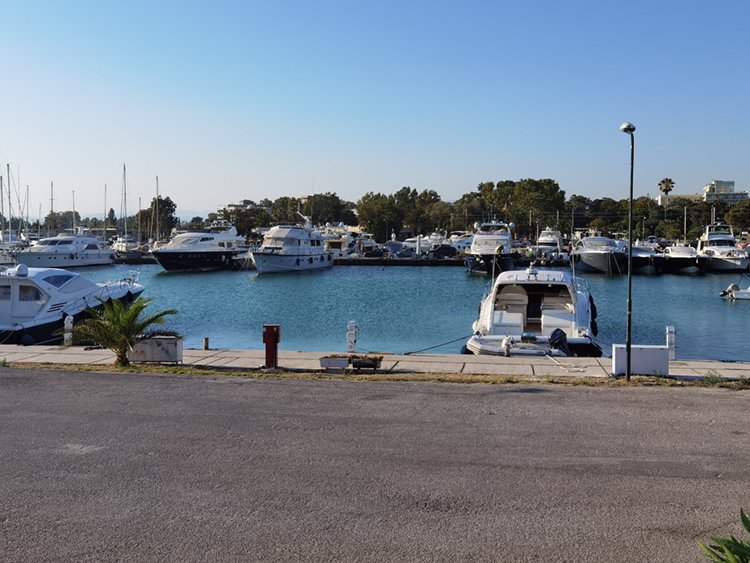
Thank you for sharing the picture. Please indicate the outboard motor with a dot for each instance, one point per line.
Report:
(559, 340)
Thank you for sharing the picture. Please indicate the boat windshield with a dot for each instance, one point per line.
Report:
(57, 279)
(600, 243)
(722, 242)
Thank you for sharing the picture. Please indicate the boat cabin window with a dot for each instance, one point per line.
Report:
(60, 242)
(29, 293)
(57, 279)
(4, 292)
(91, 247)
(206, 239)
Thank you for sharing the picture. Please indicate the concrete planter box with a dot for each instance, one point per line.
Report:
(334, 362)
(160, 349)
(369, 362)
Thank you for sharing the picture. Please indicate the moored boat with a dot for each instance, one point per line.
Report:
(66, 251)
(34, 302)
(292, 248)
(600, 255)
(549, 249)
(491, 250)
(536, 312)
(739, 291)
(717, 244)
(205, 250)
(682, 259)
(647, 259)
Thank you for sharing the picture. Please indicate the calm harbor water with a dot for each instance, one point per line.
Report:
(410, 309)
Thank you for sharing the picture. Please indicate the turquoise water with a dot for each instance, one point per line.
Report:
(410, 309)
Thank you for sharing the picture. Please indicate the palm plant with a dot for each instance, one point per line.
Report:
(729, 550)
(666, 186)
(118, 326)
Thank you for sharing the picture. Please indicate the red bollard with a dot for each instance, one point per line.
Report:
(271, 338)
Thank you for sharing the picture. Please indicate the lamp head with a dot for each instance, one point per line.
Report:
(627, 127)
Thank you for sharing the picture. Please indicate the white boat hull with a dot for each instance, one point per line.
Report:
(274, 263)
(515, 346)
(726, 264)
(64, 260)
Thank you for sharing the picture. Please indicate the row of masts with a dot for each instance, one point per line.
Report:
(24, 220)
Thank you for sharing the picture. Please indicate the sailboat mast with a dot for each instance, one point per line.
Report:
(124, 203)
(157, 208)
(2, 209)
(138, 240)
(10, 208)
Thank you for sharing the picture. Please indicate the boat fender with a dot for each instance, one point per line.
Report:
(559, 340)
(26, 339)
(593, 308)
(594, 328)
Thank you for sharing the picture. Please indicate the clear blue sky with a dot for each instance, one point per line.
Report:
(229, 100)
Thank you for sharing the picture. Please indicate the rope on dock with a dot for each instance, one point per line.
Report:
(569, 367)
(439, 345)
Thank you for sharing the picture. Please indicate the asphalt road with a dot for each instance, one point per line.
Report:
(102, 467)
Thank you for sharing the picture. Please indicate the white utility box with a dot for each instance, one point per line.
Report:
(160, 349)
(644, 359)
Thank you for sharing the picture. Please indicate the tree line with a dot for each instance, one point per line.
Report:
(530, 204)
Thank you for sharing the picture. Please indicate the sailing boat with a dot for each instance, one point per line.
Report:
(124, 244)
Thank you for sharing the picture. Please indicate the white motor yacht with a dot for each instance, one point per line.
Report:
(600, 255)
(461, 241)
(66, 251)
(718, 246)
(549, 248)
(292, 248)
(490, 251)
(536, 312)
(206, 250)
(682, 259)
(337, 239)
(35, 301)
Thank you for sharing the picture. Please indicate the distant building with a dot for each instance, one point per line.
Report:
(721, 190)
(661, 198)
(243, 205)
(715, 190)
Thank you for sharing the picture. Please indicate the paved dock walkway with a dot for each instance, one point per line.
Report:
(531, 367)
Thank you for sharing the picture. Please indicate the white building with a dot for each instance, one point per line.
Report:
(243, 205)
(722, 190)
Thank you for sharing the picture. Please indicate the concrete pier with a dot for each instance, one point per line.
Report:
(452, 364)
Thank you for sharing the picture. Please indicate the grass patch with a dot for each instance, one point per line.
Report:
(354, 375)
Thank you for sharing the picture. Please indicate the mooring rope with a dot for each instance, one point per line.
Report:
(439, 345)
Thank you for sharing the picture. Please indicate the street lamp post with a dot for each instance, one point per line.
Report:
(629, 128)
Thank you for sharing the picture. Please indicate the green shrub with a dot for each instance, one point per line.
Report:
(729, 550)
